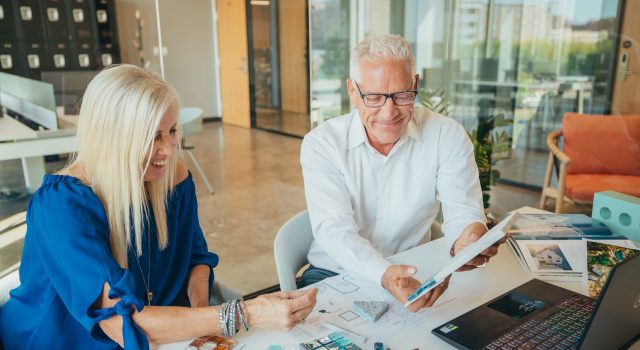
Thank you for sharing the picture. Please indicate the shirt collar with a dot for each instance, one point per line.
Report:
(357, 134)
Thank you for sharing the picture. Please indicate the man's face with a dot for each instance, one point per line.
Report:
(386, 124)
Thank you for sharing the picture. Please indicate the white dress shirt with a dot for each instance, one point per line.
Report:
(365, 206)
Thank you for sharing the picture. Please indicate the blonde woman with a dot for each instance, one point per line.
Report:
(114, 247)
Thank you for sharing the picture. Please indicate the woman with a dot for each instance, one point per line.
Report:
(113, 244)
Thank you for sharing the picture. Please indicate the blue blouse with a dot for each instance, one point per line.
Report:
(66, 260)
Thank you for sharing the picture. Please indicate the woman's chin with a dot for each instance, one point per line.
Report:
(154, 172)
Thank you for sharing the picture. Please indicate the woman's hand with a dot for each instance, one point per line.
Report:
(281, 310)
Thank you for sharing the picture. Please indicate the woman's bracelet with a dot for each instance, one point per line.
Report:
(230, 312)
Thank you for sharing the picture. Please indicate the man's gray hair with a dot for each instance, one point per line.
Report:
(383, 47)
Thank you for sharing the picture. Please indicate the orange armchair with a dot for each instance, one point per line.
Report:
(600, 153)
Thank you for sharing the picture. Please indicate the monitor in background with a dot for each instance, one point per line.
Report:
(69, 87)
(30, 101)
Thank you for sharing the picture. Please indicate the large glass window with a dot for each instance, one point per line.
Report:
(331, 41)
(522, 60)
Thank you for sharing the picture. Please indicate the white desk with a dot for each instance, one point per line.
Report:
(19, 141)
(502, 274)
(12, 130)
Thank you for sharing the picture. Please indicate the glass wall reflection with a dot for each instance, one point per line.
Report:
(279, 65)
(526, 61)
(331, 42)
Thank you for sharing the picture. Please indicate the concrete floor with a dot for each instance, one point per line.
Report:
(258, 186)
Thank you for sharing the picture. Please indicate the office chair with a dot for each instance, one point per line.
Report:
(7, 284)
(292, 244)
(191, 124)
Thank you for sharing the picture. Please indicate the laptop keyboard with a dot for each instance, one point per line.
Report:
(561, 330)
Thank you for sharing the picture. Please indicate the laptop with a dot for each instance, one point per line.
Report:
(539, 315)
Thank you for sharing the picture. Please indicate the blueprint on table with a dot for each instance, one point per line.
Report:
(334, 304)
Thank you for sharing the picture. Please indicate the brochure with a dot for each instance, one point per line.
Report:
(559, 226)
(551, 260)
(471, 251)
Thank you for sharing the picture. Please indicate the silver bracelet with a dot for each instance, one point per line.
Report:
(243, 315)
(224, 319)
(228, 312)
(232, 317)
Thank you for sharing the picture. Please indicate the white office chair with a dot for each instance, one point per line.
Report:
(292, 244)
(191, 124)
(7, 284)
(291, 247)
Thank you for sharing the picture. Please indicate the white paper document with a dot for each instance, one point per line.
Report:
(471, 251)
(334, 307)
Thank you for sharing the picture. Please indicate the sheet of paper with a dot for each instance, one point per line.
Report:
(335, 299)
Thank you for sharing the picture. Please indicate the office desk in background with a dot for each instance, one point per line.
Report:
(17, 141)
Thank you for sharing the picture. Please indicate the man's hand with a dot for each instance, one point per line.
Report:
(399, 281)
(471, 234)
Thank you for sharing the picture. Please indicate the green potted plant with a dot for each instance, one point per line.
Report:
(489, 145)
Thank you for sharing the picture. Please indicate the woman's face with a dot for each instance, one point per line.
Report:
(164, 145)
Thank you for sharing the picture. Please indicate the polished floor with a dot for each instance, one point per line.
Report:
(282, 121)
(258, 185)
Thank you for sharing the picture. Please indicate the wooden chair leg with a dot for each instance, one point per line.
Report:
(547, 181)
(561, 187)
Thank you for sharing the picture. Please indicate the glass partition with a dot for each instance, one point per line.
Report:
(278, 65)
(331, 41)
(523, 61)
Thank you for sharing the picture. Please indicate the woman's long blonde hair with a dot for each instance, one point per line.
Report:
(120, 113)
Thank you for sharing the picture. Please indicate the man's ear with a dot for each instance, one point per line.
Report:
(349, 86)
(353, 94)
(417, 79)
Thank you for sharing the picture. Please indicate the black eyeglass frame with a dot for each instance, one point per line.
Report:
(391, 96)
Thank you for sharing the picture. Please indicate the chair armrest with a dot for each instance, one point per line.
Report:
(552, 143)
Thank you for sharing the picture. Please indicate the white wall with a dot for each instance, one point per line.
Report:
(187, 34)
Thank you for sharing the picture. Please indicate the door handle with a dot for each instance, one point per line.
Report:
(243, 65)
(622, 66)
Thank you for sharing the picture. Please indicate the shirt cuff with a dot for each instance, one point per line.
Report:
(376, 269)
(133, 336)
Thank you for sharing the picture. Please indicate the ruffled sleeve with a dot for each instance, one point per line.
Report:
(73, 242)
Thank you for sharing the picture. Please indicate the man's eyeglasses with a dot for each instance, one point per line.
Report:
(401, 98)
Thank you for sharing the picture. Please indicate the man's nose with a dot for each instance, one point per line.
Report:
(389, 109)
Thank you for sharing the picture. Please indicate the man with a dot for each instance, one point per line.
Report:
(375, 178)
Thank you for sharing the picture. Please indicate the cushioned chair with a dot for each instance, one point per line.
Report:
(600, 153)
(292, 244)
(8, 283)
(191, 123)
